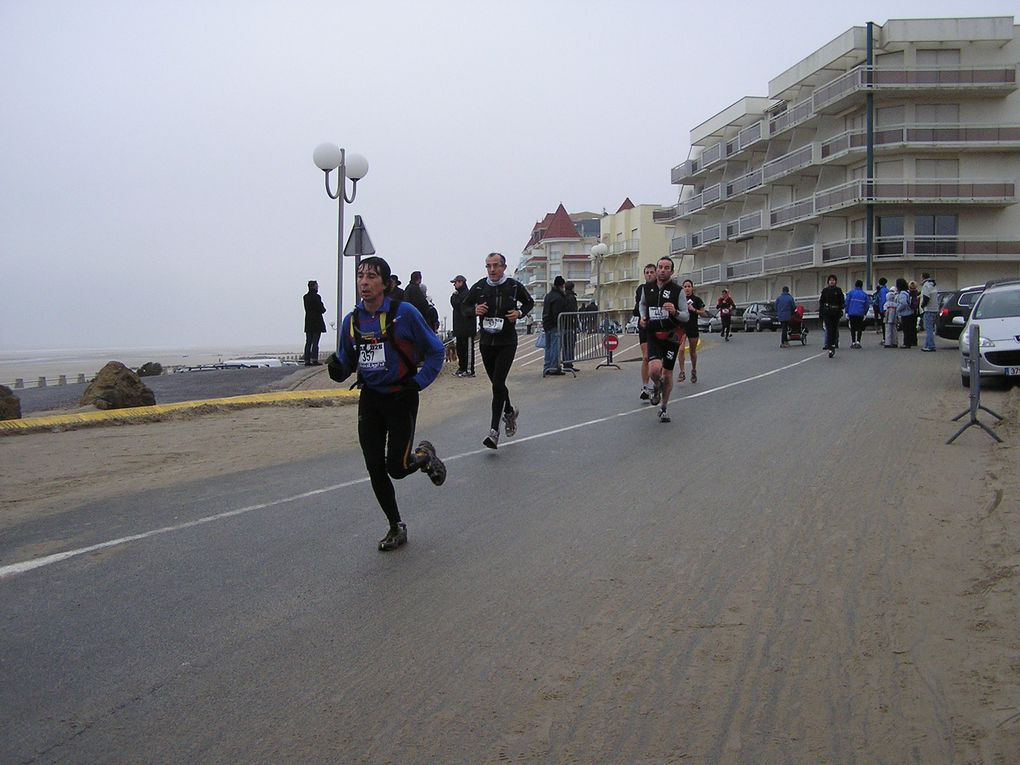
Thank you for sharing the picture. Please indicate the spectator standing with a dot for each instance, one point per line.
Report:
(394, 291)
(889, 318)
(464, 328)
(831, 303)
(879, 304)
(415, 294)
(315, 325)
(569, 338)
(553, 305)
(905, 313)
(857, 304)
(785, 306)
(725, 306)
(929, 310)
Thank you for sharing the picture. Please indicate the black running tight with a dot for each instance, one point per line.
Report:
(393, 415)
(497, 360)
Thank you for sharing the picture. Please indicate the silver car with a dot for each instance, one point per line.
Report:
(997, 315)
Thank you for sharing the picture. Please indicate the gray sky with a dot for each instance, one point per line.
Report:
(156, 181)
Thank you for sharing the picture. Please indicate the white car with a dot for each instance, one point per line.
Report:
(997, 315)
(632, 326)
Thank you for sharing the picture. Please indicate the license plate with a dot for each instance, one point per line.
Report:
(1012, 371)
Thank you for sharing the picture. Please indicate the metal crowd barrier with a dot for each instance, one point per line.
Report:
(583, 337)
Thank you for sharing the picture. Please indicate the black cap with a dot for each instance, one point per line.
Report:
(458, 278)
(559, 281)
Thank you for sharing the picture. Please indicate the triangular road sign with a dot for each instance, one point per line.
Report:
(359, 245)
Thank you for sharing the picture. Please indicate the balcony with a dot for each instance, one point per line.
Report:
(679, 244)
(744, 269)
(625, 245)
(836, 95)
(790, 260)
(744, 226)
(924, 247)
(788, 163)
(934, 191)
(951, 137)
(744, 184)
(688, 171)
(665, 215)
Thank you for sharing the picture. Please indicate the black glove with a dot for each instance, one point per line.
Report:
(335, 369)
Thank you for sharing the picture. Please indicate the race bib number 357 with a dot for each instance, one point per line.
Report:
(372, 356)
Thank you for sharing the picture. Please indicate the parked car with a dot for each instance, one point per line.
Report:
(760, 316)
(710, 322)
(632, 325)
(996, 312)
(952, 305)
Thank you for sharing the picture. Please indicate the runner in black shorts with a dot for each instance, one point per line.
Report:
(696, 307)
(646, 387)
(725, 305)
(663, 314)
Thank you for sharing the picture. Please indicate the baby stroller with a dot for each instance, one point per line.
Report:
(796, 329)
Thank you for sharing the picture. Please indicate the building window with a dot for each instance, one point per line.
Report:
(937, 168)
(942, 58)
(935, 234)
(937, 114)
(889, 234)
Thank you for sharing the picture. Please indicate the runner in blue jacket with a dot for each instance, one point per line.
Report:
(857, 304)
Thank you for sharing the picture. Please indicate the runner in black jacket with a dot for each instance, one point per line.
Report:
(498, 301)
(664, 313)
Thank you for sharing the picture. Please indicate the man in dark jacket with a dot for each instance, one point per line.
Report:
(498, 302)
(554, 304)
(569, 338)
(464, 328)
(415, 294)
(314, 323)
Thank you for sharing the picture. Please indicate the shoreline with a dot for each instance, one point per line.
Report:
(32, 364)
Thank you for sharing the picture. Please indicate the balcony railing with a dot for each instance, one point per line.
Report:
(684, 171)
(862, 78)
(679, 244)
(945, 191)
(968, 135)
(743, 269)
(800, 257)
(787, 163)
(665, 215)
(926, 247)
(712, 154)
(801, 210)
(747, 137)
(625, 245)
(744, 183)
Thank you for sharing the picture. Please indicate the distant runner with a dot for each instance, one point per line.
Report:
(498, 301)
(664, 314)
(646, 386)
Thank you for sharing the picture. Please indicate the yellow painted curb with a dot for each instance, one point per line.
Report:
(28, 424)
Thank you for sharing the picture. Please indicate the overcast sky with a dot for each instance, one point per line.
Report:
(156, 180)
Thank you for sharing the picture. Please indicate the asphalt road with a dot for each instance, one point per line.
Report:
(603, 588)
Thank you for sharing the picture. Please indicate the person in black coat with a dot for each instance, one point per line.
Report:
(315, 325)
(464, 328)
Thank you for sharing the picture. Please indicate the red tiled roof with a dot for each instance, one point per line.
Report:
(627, 205)
(561, 227)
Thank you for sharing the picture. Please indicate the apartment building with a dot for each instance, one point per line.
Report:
(560, 245)
(865, 160)
(633, 239)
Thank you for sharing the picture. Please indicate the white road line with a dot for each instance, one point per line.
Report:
(13, 569)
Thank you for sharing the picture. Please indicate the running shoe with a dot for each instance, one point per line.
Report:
(832, 352)
(492, 440)
(510, 421)
(680, 376)
(646, 392)
(433, 467)
(656, 395)
(664, 416)
(694, 376)
(396, 536)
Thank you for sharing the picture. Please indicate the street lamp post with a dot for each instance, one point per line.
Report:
(329, 157)
(598, 252)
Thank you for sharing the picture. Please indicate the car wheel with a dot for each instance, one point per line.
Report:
(757, 326)
(965, 380)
